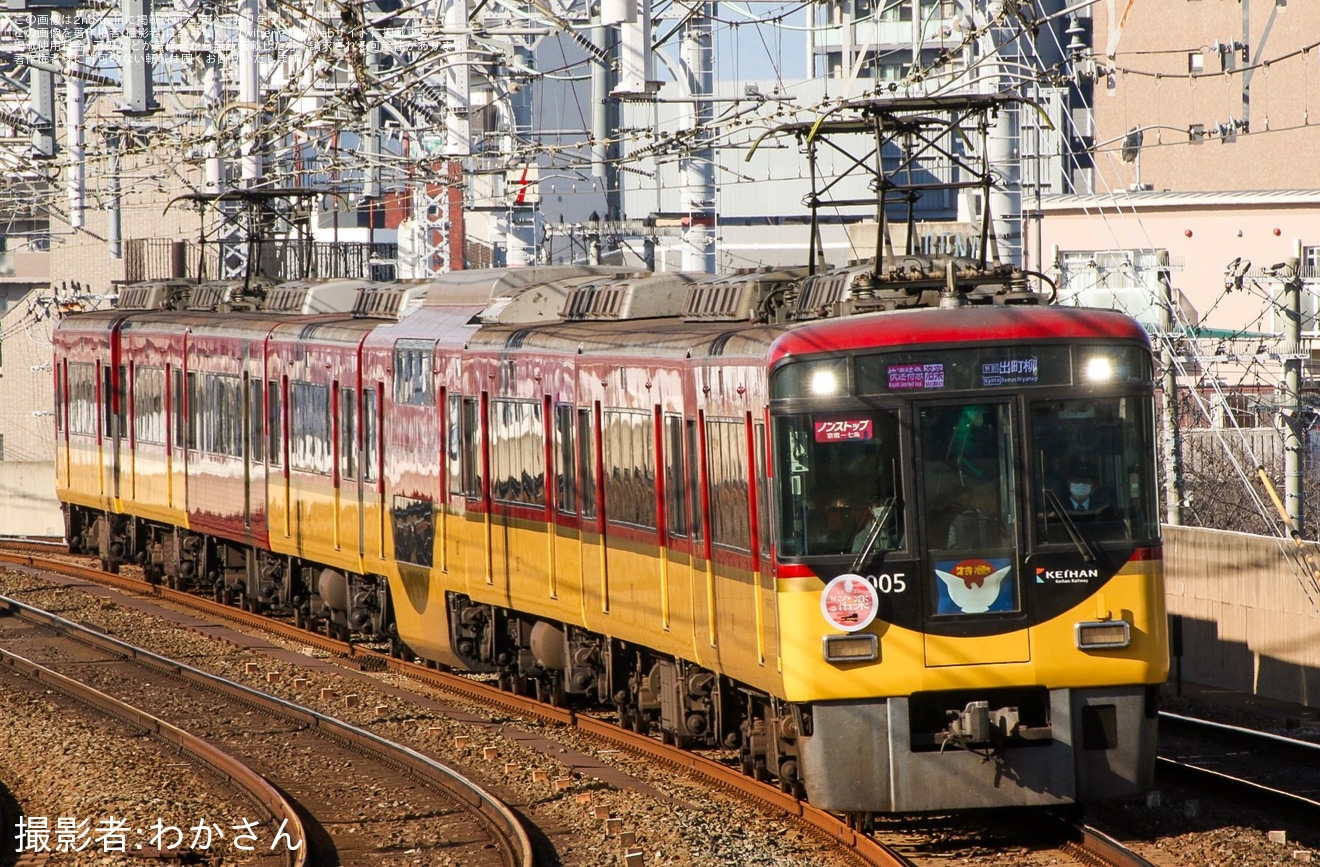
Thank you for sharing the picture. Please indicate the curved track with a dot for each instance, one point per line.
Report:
(863, 849)
(278, 810)
(301, 751)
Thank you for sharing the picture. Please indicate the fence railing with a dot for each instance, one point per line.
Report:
(166, 259)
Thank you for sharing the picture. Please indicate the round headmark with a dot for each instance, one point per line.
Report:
(849, 602)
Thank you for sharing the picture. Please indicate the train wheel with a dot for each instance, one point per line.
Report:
(864, 822)
(640, 723)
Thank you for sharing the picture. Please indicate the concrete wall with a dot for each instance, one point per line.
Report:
(1250, 609)
(27, 500)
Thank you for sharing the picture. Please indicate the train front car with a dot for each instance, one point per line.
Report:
(968, 560)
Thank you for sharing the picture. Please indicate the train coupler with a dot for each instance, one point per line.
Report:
(976, 725)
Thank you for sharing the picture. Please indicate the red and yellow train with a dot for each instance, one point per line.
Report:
(830, 521)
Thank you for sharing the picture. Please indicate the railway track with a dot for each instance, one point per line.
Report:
(1083, 845)
(299, 750)
(1243, 765)
(21, 676)
(862, 848)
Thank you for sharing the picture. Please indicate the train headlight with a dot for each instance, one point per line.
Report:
(1103, 634)
(851, 648)
(824, 382)
(1099, 368)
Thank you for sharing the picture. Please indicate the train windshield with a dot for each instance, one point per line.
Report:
(841, 490)
(969, 500)
(1094, 464)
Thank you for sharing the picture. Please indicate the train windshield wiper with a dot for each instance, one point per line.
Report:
(1078, 539)
(878, 525)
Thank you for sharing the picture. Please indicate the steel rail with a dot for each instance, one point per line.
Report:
(497, 815)
(229, 768)
(864, 847)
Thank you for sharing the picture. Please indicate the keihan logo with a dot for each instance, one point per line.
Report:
(973, 585)
(1066, 574)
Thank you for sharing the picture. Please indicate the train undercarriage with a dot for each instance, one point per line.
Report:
(687, 705)
(316, 597)
(557, 663)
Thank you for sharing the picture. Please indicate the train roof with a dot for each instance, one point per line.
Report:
(659, 338)
(946, 327)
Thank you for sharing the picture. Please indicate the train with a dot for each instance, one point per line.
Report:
(886, 532)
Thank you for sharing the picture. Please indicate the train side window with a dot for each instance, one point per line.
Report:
(218, 415)
(629, 462)
(517, 452)
(60, 396)
(178, 404)
(587, 462)
(82, 399)
(675, 496)
(348, 433)
(370, 434)
(727, 466)
(472, 447)
(566, 472)
(274, 423)
(309, 431)
(121, 405)
(454, 443)
(413, 380)
(149, 405)
(255, 416)
(108, 428)
(194, 410)
(694, 481)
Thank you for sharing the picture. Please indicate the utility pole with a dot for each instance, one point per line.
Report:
(76, 133)
(1290, 273)
(698, 161)
(1171, 450)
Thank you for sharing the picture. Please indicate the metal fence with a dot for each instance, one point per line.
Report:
(165, 259)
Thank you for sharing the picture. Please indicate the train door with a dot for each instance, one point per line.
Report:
(113, 427)
(595, 577)
(348, 492)
(251, 409)
(970, 507)
(373, 492)
(567, 550)
(177, 454)
(276, 400)
(681, 608)
(767, 627)
(703, 573)
(255, 455)
(62, 479)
